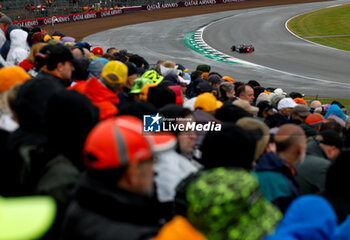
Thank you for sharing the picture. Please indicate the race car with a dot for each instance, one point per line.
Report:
(243, 48)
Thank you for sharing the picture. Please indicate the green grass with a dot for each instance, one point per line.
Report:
(326, 24)
(345, 102)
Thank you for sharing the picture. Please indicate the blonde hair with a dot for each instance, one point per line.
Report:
(34, 51)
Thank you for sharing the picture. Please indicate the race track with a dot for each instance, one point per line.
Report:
(288, 62)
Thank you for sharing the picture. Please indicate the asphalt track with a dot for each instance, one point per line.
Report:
(288, 62)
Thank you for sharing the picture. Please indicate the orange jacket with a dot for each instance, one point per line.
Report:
(179, 229)
(102, 97)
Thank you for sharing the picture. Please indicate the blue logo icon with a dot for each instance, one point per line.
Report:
(151, 123)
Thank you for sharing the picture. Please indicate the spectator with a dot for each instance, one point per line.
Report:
(311, 175)
(309, 217)
(334, 191)
(245, 92)
(276, 172)
(231, 195)
(116, 192)
(19, 49)
(103, 91)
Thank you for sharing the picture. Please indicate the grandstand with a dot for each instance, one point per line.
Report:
(27, 9)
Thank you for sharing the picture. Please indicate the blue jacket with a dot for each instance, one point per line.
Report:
(276, 180)
(308, 218)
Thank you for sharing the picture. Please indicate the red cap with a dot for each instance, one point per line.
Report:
(315, 119)
(118, 141)
(97, 50)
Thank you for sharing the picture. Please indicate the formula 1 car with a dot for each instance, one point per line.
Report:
(243, 48)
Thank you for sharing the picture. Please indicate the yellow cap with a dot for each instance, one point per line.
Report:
(115, 72)
(207, 102)
(46, 38)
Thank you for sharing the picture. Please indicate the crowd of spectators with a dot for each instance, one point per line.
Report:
(77, 162)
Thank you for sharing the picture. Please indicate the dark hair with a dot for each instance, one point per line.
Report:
(237, 85)
(54, 54)
(333, 126)
(240, 90)
(196, 74)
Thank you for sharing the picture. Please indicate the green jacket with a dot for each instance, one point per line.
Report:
(311, 174)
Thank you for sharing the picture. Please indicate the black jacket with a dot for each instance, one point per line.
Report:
(102, 212)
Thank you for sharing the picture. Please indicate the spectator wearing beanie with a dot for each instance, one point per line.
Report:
(30, 63)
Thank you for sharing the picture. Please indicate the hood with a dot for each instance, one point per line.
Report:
(18, 38)
(269, 162)
(308, 217)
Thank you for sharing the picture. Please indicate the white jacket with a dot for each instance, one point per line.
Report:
(19, 49)
(170, 168)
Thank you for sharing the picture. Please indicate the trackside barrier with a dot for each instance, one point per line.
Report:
(108, 13)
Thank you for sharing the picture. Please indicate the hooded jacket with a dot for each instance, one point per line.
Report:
(6, 47)
(18, 49)
(311, 174)
(102, 97)
(276, 180)
(104, 212)
(309, 217)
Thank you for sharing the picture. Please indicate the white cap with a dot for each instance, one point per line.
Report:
(286, 103)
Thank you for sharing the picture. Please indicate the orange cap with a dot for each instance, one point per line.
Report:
(300, 100)
(315, 119)
(10, 76)
(228, 79)
(118, 142)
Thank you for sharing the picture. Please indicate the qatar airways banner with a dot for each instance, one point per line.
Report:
(108, 13)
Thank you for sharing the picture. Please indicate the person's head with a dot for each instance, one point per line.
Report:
(207, 102)
(333, 125)
(97, 51)
(33, 52)
(80, 52)
(186, 139)
(10, 76)
(132, 74)
(5, 21)
(114, 74)
(59, 60)
(112, 50)
(226, 203)
(300, 112)
(214, 80)
(285, 106)
(245, 92)
(260, 131)
(291, 143)
(96, 66)
(315, 120)
(226, 91)
(117, 145)
(233, 146)
(316, 106)
(265, 109)
(331, 143)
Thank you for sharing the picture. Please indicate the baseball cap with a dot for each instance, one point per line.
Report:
(228, 204)
(300, 101)
(26, 217)
(315, 119)
(331, 138)
(228, 79)
(301, 110)
(139, 83)
(207, 102)
(132, 69)
(286, 103)
(10, 76)
(118, 142)
(115, 72)
(97, 50)
(181, 67)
